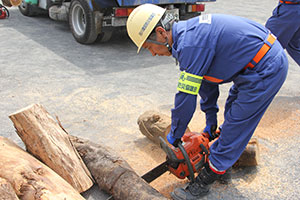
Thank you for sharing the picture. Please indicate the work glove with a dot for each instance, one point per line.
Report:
(173, 141)
(211, 132)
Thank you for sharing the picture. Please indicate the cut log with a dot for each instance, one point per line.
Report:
(112, 173)
(250, 156)
(6, 191)
(153, 124)
(48, 142)
(30, 178)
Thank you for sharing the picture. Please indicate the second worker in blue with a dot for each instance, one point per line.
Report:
(285, 25)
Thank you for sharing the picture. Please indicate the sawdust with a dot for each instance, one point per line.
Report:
(167, 183)
(278, 123)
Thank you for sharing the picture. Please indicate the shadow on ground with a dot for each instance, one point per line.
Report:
(119, 53)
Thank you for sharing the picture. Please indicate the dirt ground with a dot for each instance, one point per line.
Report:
(99, 91)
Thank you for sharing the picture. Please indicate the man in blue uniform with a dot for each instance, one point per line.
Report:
(285, 24)
(211, 50)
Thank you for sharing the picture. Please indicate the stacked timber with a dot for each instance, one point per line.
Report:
(30, 178)
(64, 173)
(48, 142)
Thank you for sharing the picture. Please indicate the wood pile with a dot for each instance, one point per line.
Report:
(59, 166)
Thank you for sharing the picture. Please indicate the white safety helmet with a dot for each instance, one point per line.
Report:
(142, 21)
(15, 2)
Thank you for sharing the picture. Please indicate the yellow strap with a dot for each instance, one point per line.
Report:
(189, 83)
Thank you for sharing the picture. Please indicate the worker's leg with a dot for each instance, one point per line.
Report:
(293, 47)
(256, 89)
(233, 92)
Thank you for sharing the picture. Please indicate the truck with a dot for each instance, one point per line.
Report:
(95, 20)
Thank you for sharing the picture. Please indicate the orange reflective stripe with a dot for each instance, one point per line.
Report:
(212, 79)
(289, 2)
(262, 52)
(264, 49)
(249, 65)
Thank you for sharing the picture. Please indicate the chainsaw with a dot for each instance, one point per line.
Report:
(4, 13)
(182, 161)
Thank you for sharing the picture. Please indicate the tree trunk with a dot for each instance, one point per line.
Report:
(31, 179)
(48, 142)
(6, 191)
(153, 124)
(113, 174)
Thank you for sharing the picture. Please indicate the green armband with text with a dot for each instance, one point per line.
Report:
(189, 83)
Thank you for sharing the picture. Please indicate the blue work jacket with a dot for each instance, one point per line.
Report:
(216, 47)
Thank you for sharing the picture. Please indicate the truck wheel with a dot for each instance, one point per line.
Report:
(82, 23)
(28, 9)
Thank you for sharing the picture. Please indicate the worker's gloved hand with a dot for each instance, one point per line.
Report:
(172, 140)
(211, 131)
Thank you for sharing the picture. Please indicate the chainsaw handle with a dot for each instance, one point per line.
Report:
(188, 162)
(202, 161)
(204, 149)
(170, 153)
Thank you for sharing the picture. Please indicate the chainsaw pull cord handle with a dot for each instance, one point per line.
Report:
(188, 162)
(204, 150)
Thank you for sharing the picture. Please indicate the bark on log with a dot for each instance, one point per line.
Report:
(153, 124)
(112, 173)
(30, 178)
(48, 142)
(6, 191)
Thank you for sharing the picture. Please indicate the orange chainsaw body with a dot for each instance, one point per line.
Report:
(196, 147)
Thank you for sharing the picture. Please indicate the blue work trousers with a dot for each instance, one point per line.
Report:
(285, 25)
(249, 97)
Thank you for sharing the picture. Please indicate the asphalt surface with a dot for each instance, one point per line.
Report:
(98, 91)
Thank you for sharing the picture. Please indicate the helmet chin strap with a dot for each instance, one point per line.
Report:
(166, 44)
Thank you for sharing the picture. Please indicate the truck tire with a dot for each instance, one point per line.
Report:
(28, 9)
(82, 22)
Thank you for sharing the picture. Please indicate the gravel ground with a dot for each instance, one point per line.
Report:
(98, 92)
